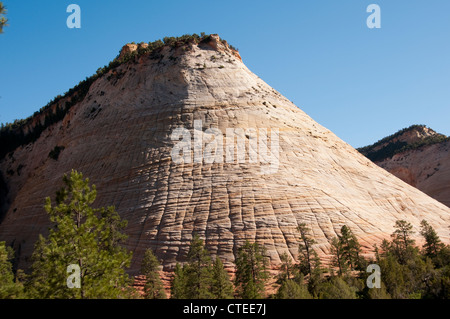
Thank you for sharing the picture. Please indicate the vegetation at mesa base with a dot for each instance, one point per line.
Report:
(14, 135)
(92, 239)
(201, 277)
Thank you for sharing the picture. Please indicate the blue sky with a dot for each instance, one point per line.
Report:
(361, 83)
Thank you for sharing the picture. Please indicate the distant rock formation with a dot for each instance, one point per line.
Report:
(419, 156)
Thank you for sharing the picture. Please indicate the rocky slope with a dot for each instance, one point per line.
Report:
(120, 136)
(419, 156)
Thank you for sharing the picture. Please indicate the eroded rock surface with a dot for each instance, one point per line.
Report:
(120, 137)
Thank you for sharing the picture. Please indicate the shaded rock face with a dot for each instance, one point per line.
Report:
(121, 137)
(3, 197)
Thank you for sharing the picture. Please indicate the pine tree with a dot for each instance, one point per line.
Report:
(351, 249)
(198, 271)
(402, 233)
(405, 274)
(3, 20)
(402, 244)
(222, 287)
(153, 287)
(83, 237)
(306, 253)
(386, 249)
(291, 281)
(293, 289)
(309, 261)
(336, 288)
(178, 285)
(251, 271)
(9, 288)
(286, 268)
(316, 276)
(433, 244)
(338, 260)
(443, 258)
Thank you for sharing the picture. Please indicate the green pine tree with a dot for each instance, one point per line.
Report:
(443, 258)
(384, 250)
(292, 289)
(338, 261)
(153, 287)
(433, 244)
(315, 278)
(307, 255)
(405, 273)
(336, 288)
(402, 244)
(351, 249)
(178, 284)
(9, 287)
(222, 287)
(198, 271)
(309, 261)
(287, 268)
(251, 271)
(85, 237)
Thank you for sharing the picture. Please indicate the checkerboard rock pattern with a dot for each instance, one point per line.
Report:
(120, 137)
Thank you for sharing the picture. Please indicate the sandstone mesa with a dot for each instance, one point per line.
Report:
(119, 137)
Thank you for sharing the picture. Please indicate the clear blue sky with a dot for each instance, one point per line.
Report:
(361, 83)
